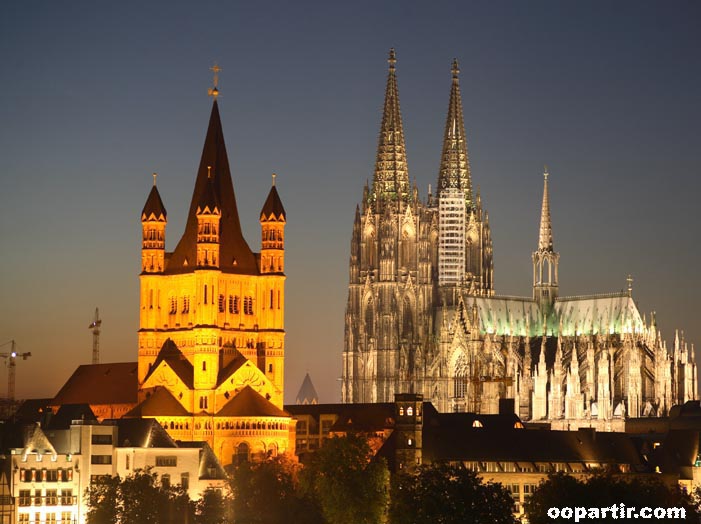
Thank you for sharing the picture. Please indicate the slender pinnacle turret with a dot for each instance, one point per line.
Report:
(455, 163)
(391, 180)
(545, 259)
(545, 241)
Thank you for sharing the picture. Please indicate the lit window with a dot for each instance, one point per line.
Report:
(477, 424)
(410, 411)
(401, 411)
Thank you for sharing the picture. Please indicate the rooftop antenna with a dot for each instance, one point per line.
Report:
(95, 326)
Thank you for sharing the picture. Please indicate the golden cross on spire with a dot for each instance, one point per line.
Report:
(545, 171)
(154, 178)
(214, 91)
(274, 177)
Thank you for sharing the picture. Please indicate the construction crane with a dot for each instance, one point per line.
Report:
(11, 363)
(95, 326)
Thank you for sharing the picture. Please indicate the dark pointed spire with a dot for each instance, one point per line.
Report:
(545, 240)
(235, 254)
(455, 164)
(273, 205)
(391, 180)
(154, 205)
(208, 201)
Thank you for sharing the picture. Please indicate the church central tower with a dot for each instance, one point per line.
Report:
(212, 335)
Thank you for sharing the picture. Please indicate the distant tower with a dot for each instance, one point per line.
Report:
(545, 259)
(307, 392)
(95, 326)
(409, 424)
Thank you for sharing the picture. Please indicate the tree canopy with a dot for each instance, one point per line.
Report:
(348, 483)
(603, 490)
(446, 494)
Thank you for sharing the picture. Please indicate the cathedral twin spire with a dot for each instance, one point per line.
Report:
(391, 179)
(454, 172)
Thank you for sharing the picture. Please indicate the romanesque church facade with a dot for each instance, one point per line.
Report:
(212, 333)
(423, 316)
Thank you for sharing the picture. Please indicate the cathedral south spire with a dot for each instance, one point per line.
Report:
(391, 179)
(455, 164)
(545, 259)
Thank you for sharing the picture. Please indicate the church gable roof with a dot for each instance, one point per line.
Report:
(249, 403)
(100, 384)
(598, 314)
(242, 373)
(171, 357)
(235, 254)
(141, 433)
(160, 403)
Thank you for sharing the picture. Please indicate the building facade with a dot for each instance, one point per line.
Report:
(423, 315)
(212, 334)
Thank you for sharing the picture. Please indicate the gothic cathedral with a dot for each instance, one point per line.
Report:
(423, 317)
(212, 335)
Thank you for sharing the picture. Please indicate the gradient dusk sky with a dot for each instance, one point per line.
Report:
(97, 96)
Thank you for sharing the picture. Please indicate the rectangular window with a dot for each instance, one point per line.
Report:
(51, 475)
(165, 481)
(51, 518)
(23, 518)
(271, 299)
(185, 481)
(205, 293)
(101, 459)
(66, 497)
(221, 303)
(102, 439)
(66, 517)
(51, 497)
(38, 499)
(25, 497)
(166, 461)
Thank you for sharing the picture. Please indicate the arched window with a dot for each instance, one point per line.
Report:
(410, 411)
(242, 453)
(369, 319)
(408, 320)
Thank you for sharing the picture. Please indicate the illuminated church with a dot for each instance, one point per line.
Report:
(212, 332)
(423, 315)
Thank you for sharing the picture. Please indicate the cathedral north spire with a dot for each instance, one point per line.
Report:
(454, 172)
(391, 179)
